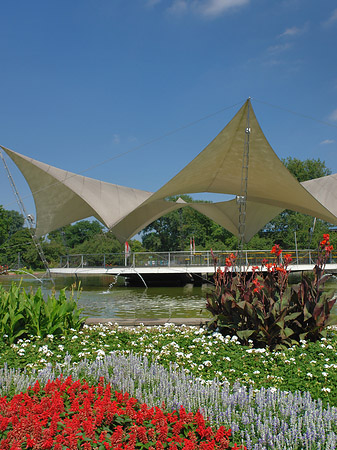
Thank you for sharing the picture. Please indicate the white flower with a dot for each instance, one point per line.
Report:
(326, 389)
(325, 374)
(256, 372)
(309, 375)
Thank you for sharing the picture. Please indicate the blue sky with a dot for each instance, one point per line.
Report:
(89, 85)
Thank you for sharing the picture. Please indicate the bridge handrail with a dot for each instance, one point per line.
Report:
(182, 258)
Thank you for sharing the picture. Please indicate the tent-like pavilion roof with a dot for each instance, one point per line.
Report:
(63, 197)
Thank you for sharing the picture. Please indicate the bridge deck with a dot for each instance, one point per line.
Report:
(159, 268)
(126, 271)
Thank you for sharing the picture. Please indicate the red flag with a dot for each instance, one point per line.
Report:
(127, 249)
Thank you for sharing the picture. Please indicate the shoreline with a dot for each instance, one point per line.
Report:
(178, 321)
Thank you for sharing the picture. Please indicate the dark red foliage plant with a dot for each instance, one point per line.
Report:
(259, 307)
(68, 414)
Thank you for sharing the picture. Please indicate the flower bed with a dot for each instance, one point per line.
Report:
(308, 367)
(72, 415)
(261, 418)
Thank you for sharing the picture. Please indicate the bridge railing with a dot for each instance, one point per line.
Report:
(183, 258)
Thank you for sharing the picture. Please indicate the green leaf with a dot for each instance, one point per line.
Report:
(245, 334)
(292, 316)
(331, 320)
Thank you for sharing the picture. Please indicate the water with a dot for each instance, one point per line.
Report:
(98, 300)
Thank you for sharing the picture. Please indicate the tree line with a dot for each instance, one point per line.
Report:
(173, 231)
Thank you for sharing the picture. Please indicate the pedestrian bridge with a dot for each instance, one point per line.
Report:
(178, 268)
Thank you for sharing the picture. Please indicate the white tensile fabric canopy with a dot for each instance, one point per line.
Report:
(324, 189)
(225, 214)
(218, 168)
(62, 197)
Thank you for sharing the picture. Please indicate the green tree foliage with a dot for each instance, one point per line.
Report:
(10, 222)
(16, 221)
(81, 231)
(308, 231)
(4, 225)
(174, 231)
(19, 251)
(307, 169)
(101, 242)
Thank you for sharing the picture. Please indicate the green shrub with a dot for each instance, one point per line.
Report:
(24, 314)
(263, 309)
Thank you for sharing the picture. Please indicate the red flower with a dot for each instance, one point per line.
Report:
(287, 259)
(276, 250)
(74, 415)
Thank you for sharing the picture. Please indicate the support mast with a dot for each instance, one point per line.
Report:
(28, 217)
(242, 198)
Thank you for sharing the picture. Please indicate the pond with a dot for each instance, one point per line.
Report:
(98, 299)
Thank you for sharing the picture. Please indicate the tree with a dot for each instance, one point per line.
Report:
(307, 169)
(4, 225)
(16, 221)
(174, 230)
(73, 235)
(289, 224)
(20, 250)
(102, 242)
(10, 223)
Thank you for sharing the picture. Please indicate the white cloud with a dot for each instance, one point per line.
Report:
(212, 8)
(294, 31)
(331, 20)
(178, 7)
(279, 48)
(327, 142)
(205, 8)
(333, 115)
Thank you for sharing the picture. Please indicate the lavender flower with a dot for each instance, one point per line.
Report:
(263, 419)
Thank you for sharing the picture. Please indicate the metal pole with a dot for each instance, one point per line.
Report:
(296, 248)
(242, 198)
(29, 219)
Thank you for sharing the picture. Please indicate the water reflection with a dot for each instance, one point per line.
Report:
(98, 300)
